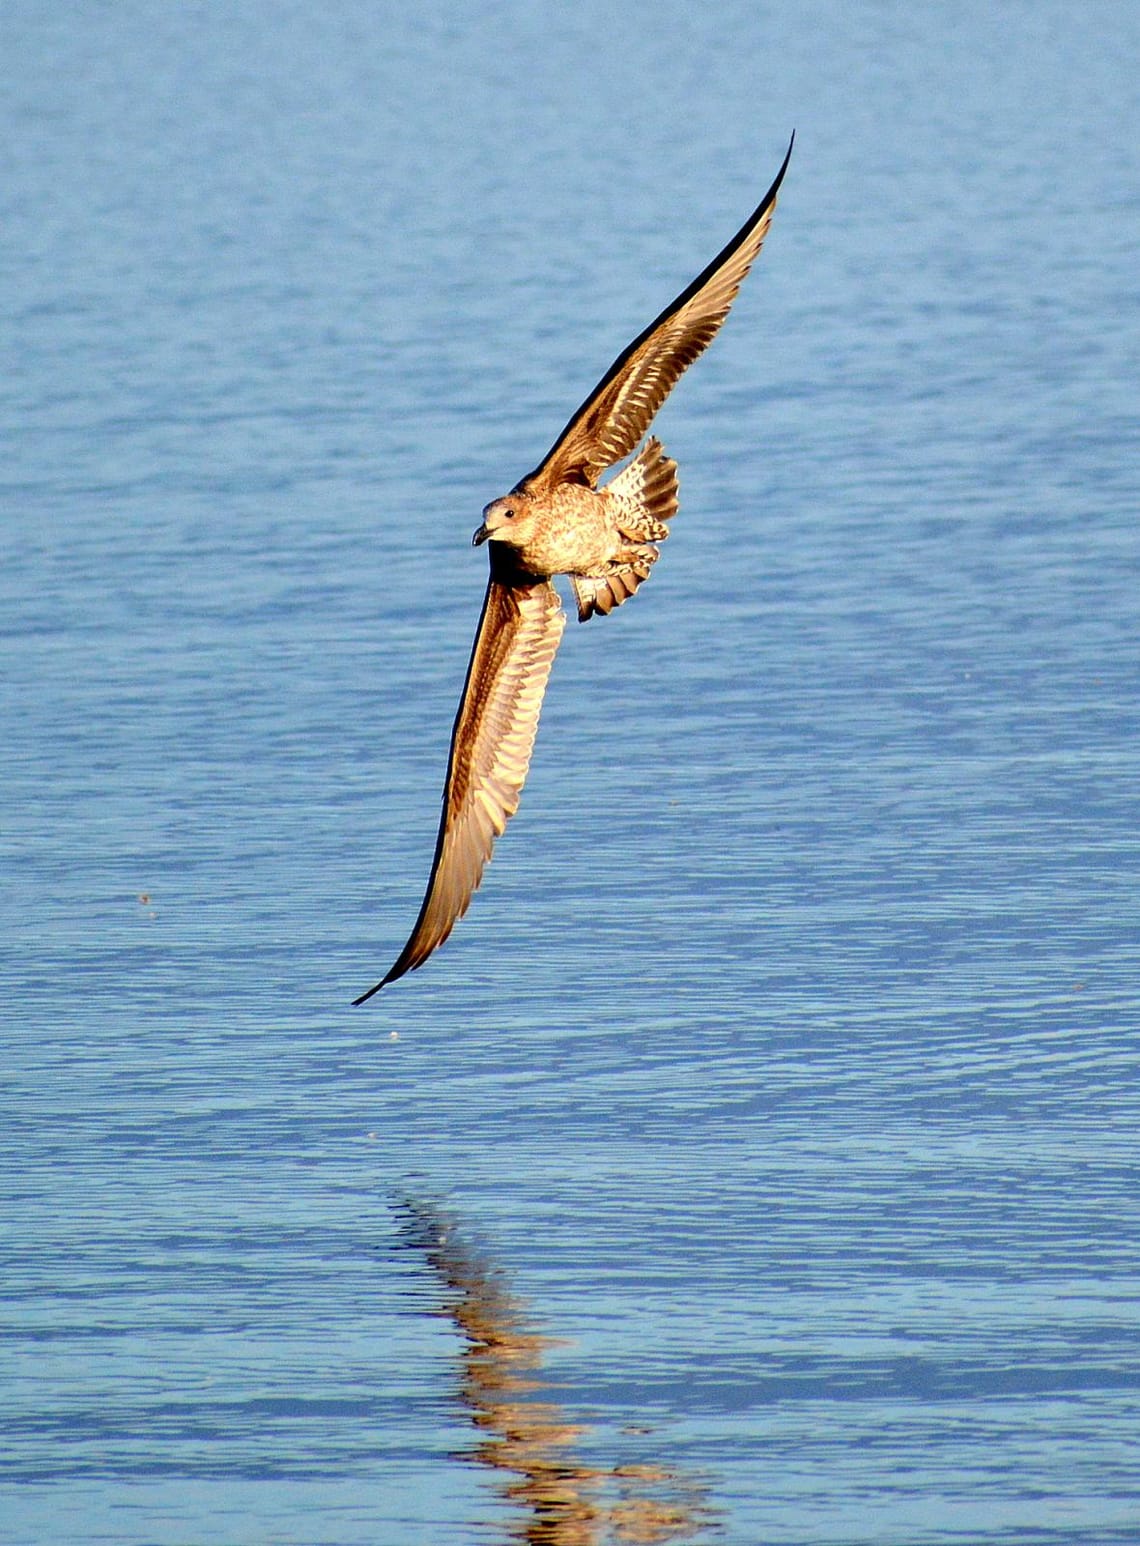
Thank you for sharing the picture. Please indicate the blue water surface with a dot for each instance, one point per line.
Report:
(758, 1161)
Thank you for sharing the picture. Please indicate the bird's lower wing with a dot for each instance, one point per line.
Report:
(491, 744)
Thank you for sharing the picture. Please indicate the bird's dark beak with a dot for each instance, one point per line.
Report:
(481, 535)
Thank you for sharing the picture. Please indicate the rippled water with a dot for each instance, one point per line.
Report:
(758, 1161)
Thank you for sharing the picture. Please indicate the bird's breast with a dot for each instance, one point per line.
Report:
(573, 532)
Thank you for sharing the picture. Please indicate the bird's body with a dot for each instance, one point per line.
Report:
(560, 521)
(602, 538)
(569, 530)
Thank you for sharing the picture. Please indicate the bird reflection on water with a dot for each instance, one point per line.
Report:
(526, 1437)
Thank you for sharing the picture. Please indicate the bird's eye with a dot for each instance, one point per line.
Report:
(509, 513)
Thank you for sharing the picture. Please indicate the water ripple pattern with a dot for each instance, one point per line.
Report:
(758, 1160)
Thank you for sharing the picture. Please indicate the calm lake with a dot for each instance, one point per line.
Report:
(759, 1162)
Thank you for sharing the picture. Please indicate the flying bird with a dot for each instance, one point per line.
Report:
(560, 521)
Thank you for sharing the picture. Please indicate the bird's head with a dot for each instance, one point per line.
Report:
(509, 520)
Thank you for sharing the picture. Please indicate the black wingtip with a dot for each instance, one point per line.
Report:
(364, 997)
(774, 189)
(761, 210)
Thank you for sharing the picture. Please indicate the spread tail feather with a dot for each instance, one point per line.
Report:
(645, 492)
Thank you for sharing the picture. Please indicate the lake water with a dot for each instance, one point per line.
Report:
(758, 1162)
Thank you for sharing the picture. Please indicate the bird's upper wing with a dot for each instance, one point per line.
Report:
(621, 407)
(491, 744)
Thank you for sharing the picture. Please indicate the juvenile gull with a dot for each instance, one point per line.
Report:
(558, 520)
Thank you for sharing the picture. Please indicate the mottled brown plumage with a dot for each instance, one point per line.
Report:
(558, 520)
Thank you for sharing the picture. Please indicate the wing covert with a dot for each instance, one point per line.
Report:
(491, 744)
